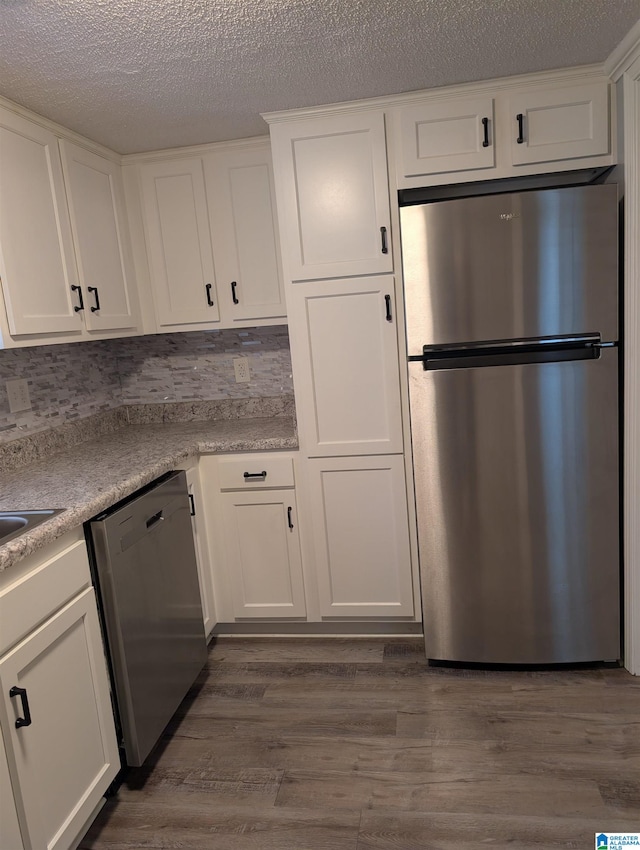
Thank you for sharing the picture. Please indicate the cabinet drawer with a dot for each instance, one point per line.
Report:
(257, 472)
(39, 593)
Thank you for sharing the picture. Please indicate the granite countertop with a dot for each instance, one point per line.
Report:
(95, 474)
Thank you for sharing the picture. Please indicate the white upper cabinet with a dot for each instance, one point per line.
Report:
(244, 232)
(503, 129)
(346, 370)
(213, 210)
(99, 225)
(333, 197)
(179, 241)
(456, 134)
(559, 124)
(37, 262)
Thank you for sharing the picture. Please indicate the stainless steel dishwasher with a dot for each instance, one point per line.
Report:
(145, 566)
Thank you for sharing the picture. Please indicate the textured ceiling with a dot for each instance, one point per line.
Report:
(144, 74)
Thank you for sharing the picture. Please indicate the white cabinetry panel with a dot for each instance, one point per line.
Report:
(199, 525)
(447, 135)
(563, 124)
(347, 371)
(244, 230)
(559, 124)
(263, 547)
(361, 536)
(333, 197)
(63, 761)
(98, 220)
(179, 241)
(10, 836)
(37, 262)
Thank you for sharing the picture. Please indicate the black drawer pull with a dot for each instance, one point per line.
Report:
(485, 124)
(520, 120)
(234, 283)
(387, 301)
(208, 288)
(383, 237)
(22, 693)
(94, 289)
(289, 520)
(80, 306)
(192, 503)
(254, 476)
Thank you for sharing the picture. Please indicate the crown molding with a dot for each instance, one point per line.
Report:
(60, 131)
(498, 84)
(195, 150)
(624, 54)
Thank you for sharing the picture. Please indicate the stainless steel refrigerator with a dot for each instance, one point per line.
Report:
(512, 325)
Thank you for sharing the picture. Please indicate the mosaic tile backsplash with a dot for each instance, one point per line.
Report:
(71, 382)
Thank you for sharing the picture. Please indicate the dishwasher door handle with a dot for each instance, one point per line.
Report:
(154, 520)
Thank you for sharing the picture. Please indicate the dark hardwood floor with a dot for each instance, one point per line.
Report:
(304, 744)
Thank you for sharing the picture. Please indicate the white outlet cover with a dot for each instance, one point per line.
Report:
(241, 369)
(18, 395)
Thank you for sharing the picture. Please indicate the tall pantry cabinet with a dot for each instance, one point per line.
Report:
(333, 207)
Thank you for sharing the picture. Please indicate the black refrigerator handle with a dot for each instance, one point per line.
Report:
(509, 354)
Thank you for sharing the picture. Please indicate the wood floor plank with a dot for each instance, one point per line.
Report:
(298, 751)
(261, 784)
(517, 794)
(208, 824)
(564, 730)
(298, 649)
(445, 831)
(593, 760)
(205, 720)
(274, 671)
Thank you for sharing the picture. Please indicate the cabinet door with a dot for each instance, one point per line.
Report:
(345, 356)
(98, 222)
(361, 536)
(244, 231)
(263, 554)
(10, 836)
(179, 242)
(555, 124)
(37, 262)
(446, 136)
(202, 551)
(64, 760)
(333, 195)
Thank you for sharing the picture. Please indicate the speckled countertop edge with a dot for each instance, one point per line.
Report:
(95, 475)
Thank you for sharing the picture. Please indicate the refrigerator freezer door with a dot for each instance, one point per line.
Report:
(511, 266)
(517, 499)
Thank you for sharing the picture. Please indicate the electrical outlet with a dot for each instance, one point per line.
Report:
(18, 394)
(241, 368)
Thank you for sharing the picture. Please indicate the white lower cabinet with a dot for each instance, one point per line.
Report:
(198, 523)
(55, 710)
(10, 837)
(252, 516)
(361, 536)
(263, 551)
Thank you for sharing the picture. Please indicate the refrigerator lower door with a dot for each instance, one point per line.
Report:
(516, 473)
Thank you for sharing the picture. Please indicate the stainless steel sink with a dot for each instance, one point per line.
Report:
(13, 523)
